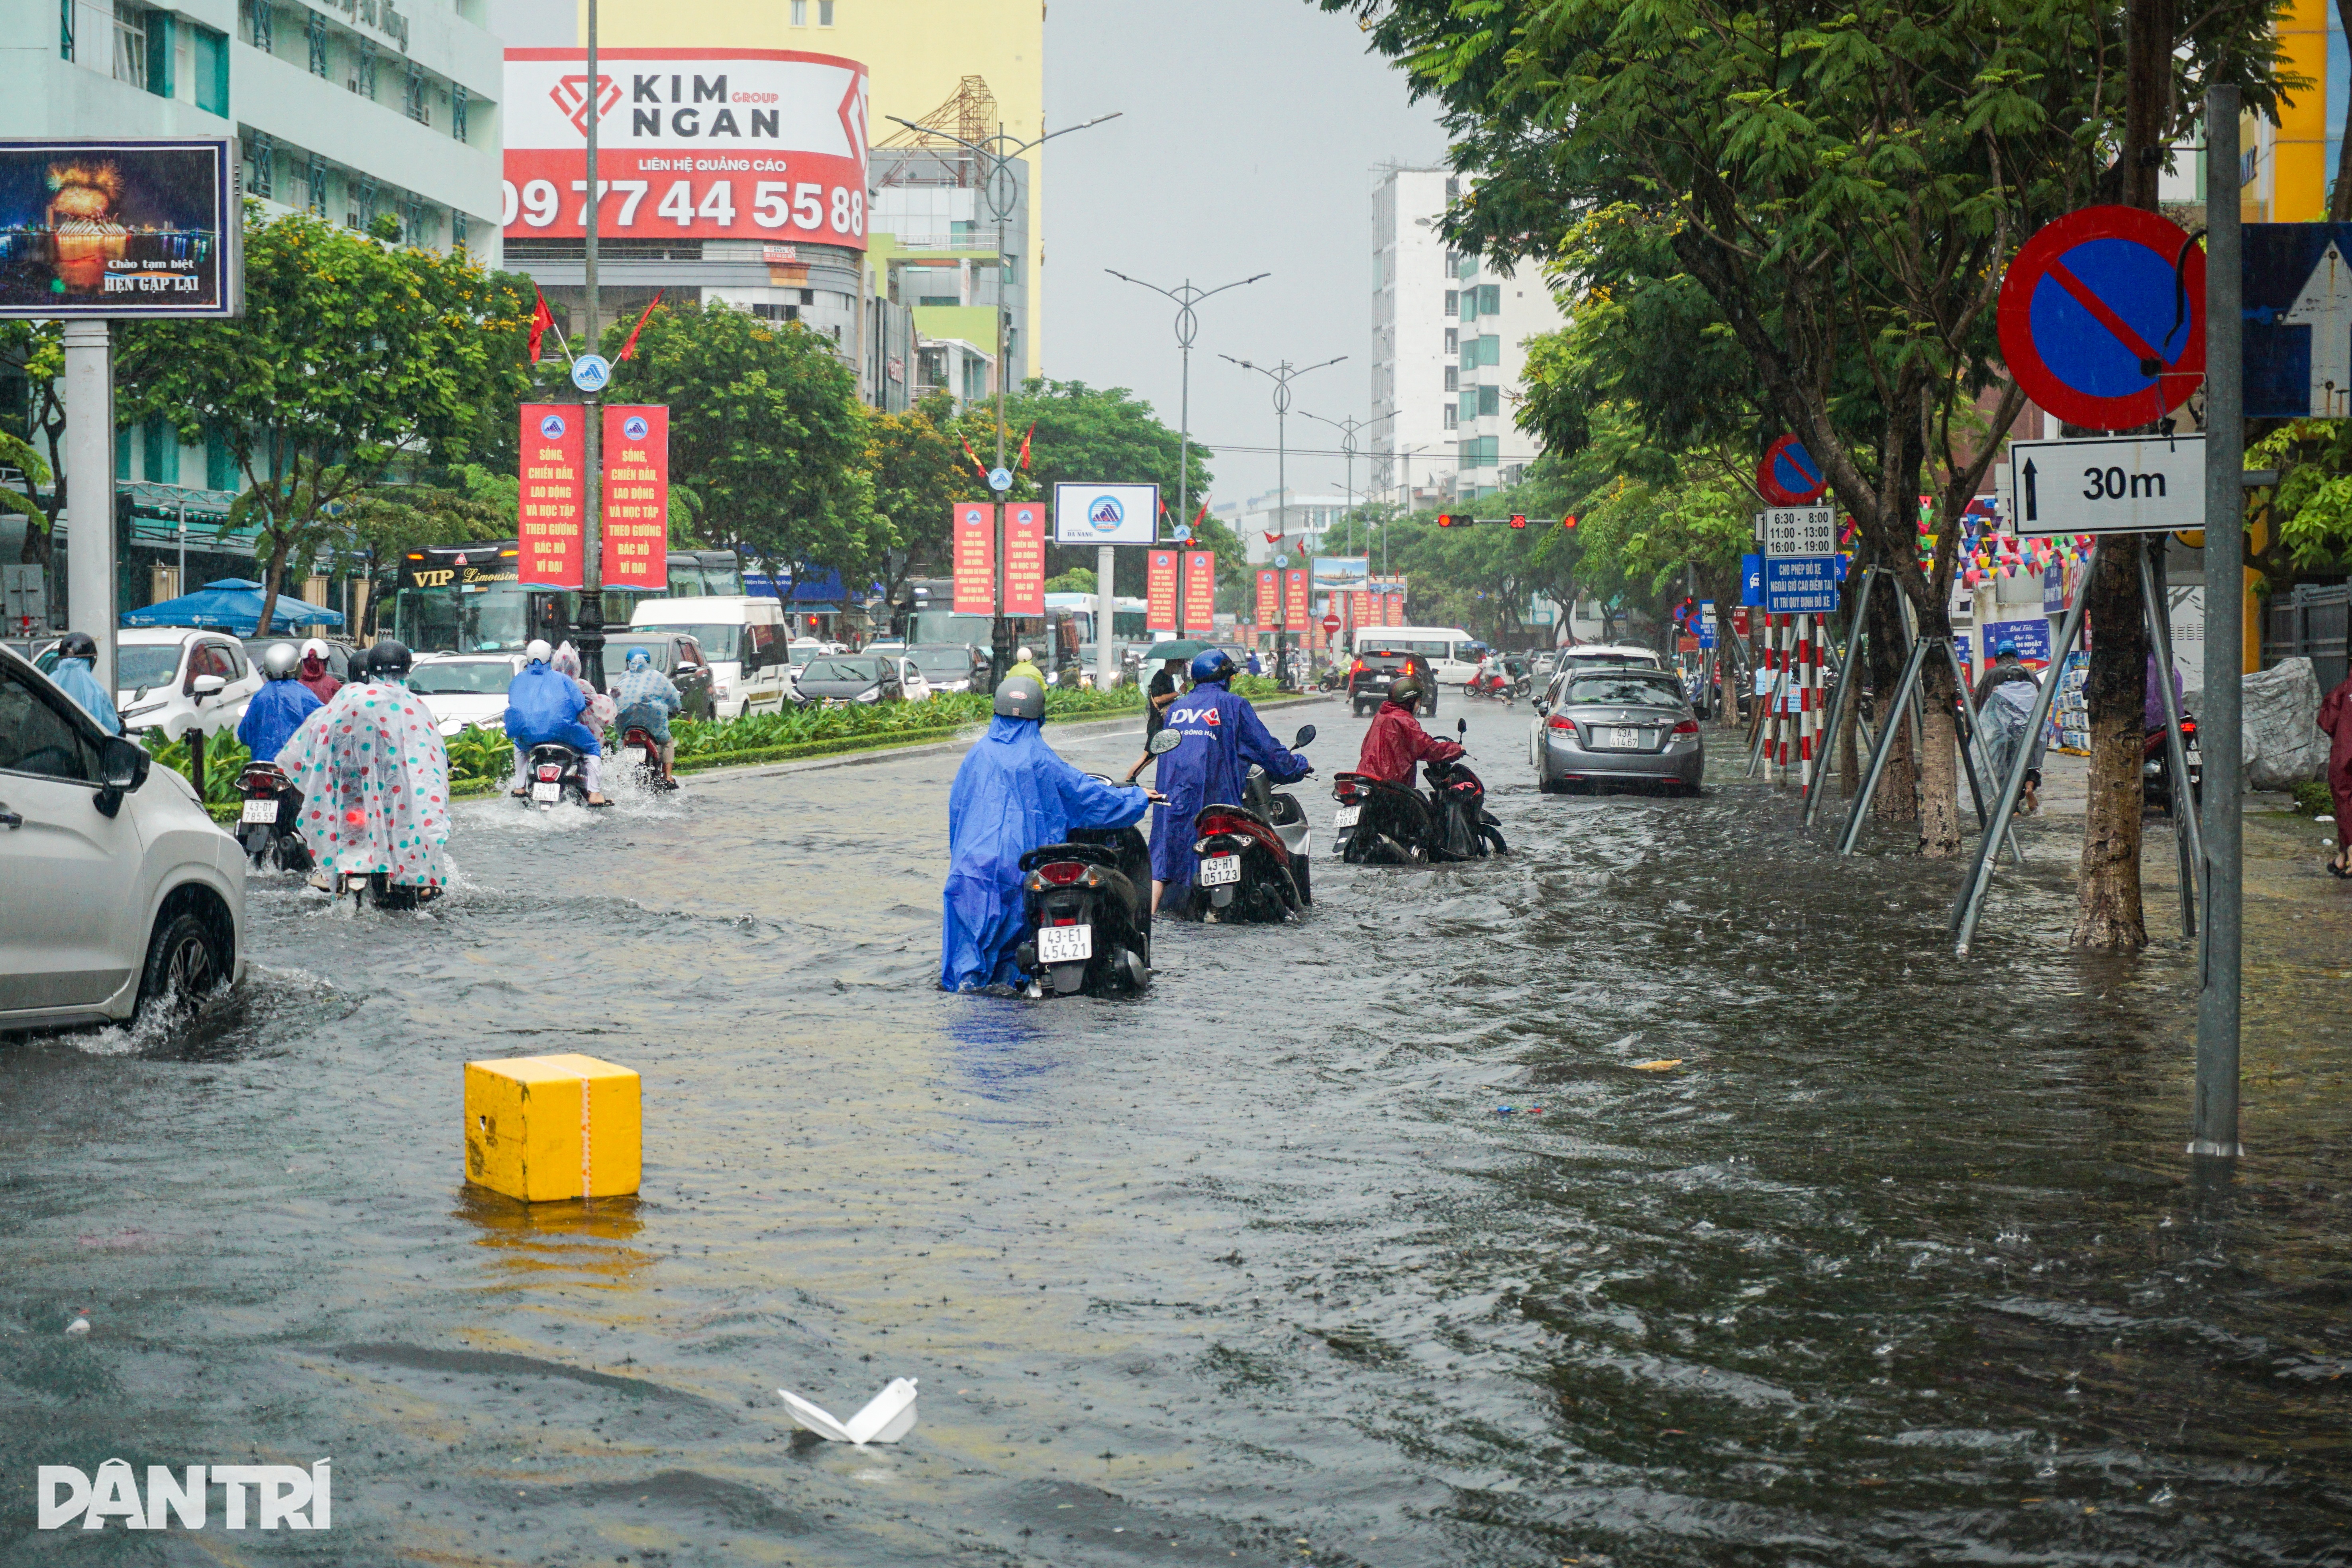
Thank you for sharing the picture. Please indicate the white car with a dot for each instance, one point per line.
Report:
(116, 888)
(175, 679)
(464, 688)
(913, 684)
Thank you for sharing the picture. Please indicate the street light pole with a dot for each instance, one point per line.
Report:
(1282, 375)
(1347, 430)
(997, 153)
(592, 510)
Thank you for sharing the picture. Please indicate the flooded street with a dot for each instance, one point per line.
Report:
(1898, 1265)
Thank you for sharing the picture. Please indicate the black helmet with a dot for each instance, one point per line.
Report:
(77, 645)
(1405, 691)
(389, 661)
(1019, 696)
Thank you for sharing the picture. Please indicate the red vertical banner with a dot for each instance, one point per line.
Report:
(1359, 606)
(554, 499)
(1294, 599)
(974, 529)
(1200, 590)
(636, 497)
(1160, 591)
(1269, 597)
(1392, 612)
(1024, 558)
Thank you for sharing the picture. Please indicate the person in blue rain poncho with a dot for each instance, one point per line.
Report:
(1011, 794)
(77, 653)
(543, 706)
(1221, 737)
(278, 709)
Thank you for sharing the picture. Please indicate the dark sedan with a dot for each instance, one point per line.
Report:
(1602, 727)
(1369, 678)
(851, 678)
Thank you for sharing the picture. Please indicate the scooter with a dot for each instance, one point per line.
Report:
(377, 887)
(2156, 768)
(553, 773)
(1254, 858)
(641, 751)
(1086, 906)
(1380, 823)
(267, 826)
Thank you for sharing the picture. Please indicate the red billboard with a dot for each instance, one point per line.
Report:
(1024, 558)
(1269, 597)
(554, 495)
(1360, 607)
(1294, 598)
(690, 144)
(1200, 590)
(973, 527)
(1160, 591)
(636, 497)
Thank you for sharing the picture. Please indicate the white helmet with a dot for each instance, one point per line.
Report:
(1021, 655)
(280, 661)
(315, 646)
(538, 651)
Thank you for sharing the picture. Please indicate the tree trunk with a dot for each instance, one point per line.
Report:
(1939, 825)
(2110, 914)
(273, 574)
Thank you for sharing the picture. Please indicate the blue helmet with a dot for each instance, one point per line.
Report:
(2006, 651)
(639, 658)
(1214, 665)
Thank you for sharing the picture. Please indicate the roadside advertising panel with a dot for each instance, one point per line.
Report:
(1269, 597)
(636, 497)
(974, 530)
(1024, 558)
(120, 228)
(555, 499)
(1294, 597)
(1105, 513)
(2031, 636)
(1160, 591)
(764, 144)
(1200, 590)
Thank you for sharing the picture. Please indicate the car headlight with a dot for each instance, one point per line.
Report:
(719, 689)
(871, 694)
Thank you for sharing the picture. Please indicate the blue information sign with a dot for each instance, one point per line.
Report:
(2298, 353)
(1751, 580)
(1707, 623)
(1801, 584)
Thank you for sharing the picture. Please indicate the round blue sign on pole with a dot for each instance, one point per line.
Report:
(2101, 318)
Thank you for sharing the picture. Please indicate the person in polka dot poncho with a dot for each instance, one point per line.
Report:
(374, 779)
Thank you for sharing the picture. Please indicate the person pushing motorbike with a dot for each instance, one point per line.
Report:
(1396, 740)
(1219, 736)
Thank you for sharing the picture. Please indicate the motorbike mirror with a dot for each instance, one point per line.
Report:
(1306, 737)
(1166, 741)
(1461, 727)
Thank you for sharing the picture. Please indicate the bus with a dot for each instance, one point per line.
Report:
(1127, 616)
(467, 599)
(705, 574)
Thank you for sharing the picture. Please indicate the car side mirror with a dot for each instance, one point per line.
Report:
(1305, 734)
(1542, 706)
(204, 686)
(1161, 744)
(121, 769)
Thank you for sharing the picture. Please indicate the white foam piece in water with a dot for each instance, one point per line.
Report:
(887, 1417)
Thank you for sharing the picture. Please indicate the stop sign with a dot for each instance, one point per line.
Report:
(1330, 625)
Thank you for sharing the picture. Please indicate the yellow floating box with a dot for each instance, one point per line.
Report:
(543, 1128)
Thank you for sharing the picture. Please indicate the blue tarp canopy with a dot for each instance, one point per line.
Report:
(232, 604)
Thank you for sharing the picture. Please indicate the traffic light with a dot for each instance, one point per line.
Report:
(1569, 522)
(1518, 519)
(1445, 519)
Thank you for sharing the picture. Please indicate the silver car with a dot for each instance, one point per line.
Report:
(1599, 728)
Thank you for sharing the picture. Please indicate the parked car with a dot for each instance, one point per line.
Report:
(950, 667)
(465, 688)
(741, 637)
(1605, 656)
(1372, 671)
(854, 678)
(1600, 727)
(175, 679)
(116, 888)
(676, 654)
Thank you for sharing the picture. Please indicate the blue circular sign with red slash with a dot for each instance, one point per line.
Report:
(1788, 477)
(2101, 318)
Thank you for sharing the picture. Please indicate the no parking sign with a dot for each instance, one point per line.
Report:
(2101, 318)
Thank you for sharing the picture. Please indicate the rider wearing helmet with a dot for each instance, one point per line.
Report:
(646, 698)
(1396, 740)
(1221, 736)
(315, 673)
(1011, 794)
(543, 706)
(278, 709)
(77, 653)
(375, 777)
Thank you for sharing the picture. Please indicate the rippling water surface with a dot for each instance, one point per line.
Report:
(1898, 1264)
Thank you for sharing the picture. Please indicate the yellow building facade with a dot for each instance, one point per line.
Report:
(2287, 167)
(915, 53)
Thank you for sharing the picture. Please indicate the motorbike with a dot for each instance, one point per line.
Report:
(1085, 907)
(1380, 823)
(553, 774)
(641, 751)
(267, 825)
(2156, 769)
(377, 887)
(1254, 858)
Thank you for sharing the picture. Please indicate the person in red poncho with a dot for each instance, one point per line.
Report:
(1396, 740)
(314, 674)
(2336, 719)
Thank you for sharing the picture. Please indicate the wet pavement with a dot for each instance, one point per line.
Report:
(1898, 1264)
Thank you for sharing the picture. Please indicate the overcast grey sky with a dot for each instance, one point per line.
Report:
(1249, 135)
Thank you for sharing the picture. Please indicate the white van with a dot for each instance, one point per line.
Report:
(743, 638)
(1449, 649)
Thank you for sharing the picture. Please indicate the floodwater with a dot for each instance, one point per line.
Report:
(1898, 1264)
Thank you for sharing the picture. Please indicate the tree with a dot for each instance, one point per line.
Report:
(350, 353)
(765, 429)
(38, 349)
(1844, 182)
(919, 474)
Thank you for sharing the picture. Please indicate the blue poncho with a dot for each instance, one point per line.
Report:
(73, 678)
(1222, 736)
(544, 704)
(273, 716)
(1011, 794)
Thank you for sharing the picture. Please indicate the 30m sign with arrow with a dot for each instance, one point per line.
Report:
(2130, 485)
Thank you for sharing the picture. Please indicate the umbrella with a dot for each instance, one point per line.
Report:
(233, 604)
(1182, 648)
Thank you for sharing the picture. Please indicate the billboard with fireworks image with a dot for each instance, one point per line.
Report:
(119, 229)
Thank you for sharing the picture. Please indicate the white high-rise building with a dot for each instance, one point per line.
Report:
(1448, 349)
